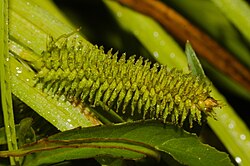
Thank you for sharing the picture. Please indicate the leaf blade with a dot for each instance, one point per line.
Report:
(149, 137)
(193, 62)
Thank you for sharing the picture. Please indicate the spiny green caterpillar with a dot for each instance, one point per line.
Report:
(86, 73)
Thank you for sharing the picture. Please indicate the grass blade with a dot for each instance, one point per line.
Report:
(237, 11)
(5, 81)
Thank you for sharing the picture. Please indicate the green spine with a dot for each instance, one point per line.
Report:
(87, 74)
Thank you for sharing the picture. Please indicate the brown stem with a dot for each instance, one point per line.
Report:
(183, 30)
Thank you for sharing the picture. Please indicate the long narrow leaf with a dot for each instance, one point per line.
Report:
(237, 11)
(131, 140)
(5, 81)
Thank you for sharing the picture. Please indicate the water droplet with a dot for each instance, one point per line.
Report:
(238, 160)
(37, 31)
(162, 43)
(69, 120)
(29, 42)
(27, 80)
(119, 14)
(224, 116)
(19, 70)
(69, 126)
(7, 59)
(62, 98)
(243, 137)
(156, 54)
(59, 104)
(172, 55)
(231, 125)
(156, 34)
(28, 3)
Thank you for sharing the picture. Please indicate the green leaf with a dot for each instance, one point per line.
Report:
(129, 141)
(237, 11)
(5, 89)
(153, 37)
(193, 61)
(24, 132)
(58, 112)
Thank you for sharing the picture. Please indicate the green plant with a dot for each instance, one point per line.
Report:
(142, 141)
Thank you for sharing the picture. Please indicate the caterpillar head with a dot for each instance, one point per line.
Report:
(207, 106)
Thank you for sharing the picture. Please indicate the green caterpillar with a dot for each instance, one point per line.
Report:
(87, 74)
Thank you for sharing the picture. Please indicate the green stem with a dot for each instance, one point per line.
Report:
(231, 130)
(5, 82)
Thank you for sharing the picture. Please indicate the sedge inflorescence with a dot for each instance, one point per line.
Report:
(88, 74)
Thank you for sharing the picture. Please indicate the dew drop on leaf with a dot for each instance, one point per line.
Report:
(238, 160)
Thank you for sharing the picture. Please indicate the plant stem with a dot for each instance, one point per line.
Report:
(5, 82)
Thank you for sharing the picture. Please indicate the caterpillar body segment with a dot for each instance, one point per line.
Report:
(87, 74)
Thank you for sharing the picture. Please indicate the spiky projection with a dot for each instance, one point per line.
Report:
(87, 74)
